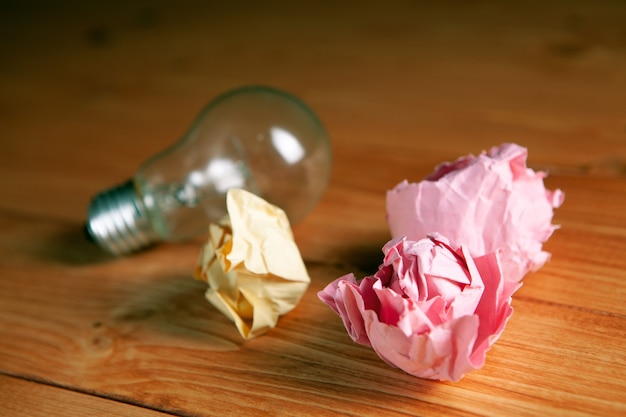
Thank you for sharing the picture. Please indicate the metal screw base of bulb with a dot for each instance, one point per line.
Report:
(117, 221)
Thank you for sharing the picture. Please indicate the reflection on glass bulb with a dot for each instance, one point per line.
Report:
(257, 138)
(287, 145)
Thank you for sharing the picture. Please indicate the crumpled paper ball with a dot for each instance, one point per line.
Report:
(251, 262)
(429, 310)
(485, 203)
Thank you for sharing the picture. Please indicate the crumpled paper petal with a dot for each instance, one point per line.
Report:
(430, 310)
(251, 262)
(486, 203)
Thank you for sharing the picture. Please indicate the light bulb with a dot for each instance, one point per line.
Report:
(257, 138)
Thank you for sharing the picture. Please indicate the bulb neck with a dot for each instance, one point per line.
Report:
(118, 222)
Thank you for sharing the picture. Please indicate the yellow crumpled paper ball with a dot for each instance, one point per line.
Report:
(251, 262)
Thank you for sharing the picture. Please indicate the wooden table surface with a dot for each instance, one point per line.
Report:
(89, 90)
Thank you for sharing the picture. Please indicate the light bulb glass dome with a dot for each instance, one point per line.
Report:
(258, 138)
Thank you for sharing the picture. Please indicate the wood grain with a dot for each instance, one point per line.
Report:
(89, 91)
(20, 398)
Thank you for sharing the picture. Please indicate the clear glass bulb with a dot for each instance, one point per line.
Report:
(257, 138)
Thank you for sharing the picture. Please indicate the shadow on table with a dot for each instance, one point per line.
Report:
(362, 259)
(168, 311)
(69, 246)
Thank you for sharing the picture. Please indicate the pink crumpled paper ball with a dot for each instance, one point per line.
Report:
(485, 203)
(430, 310)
